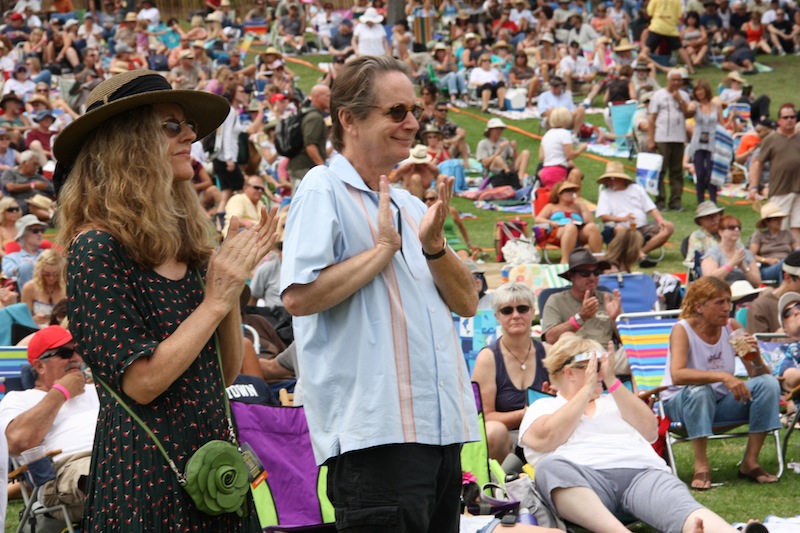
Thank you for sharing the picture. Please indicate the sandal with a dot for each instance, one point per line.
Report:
(701, 481)
(756, 475)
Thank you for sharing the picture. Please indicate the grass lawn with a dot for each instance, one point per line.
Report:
(778, 84)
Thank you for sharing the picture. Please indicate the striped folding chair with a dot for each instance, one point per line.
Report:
(773, 349)
(646, 340)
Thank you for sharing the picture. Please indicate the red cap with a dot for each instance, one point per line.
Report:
(47, 339)
(16, 16)
(277, 97)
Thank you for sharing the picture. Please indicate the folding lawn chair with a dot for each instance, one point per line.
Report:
(638, 290)
(622, 122)
(292, 497)
(36, 516)
(646, 340)
(476, 332)
(12, 358)
(771, 346)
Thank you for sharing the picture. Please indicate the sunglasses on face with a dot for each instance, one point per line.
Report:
(521, 309)
(259, 188)
(430, 199)
(398, 112)
(443, 110)
(733, 228)
(37, 231)
(43, 91)
(790, 311)
(586, 273)
(172, 126)
(12, 209)
(788, 117)
(63, 353)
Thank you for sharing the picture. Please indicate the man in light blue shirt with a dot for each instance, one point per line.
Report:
(558, 97)
(371, 284)
(19, 265)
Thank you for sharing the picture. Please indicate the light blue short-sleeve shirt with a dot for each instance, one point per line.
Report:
(385, 366)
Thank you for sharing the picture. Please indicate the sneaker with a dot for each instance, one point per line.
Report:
(586, 103)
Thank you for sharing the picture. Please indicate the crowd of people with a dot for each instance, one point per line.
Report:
(122, 130)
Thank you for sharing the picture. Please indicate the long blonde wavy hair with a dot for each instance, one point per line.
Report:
(51, 257)
(122, 183)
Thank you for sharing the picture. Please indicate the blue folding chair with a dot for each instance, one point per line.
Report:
(638, 290)
(622, 122)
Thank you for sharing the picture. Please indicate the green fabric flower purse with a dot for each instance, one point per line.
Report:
(216, 477)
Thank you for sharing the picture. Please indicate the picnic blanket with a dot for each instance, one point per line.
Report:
(607, 150)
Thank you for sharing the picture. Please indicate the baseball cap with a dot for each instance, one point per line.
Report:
(47, 339)
(277, 97)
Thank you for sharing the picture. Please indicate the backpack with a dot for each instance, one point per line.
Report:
(289, 135)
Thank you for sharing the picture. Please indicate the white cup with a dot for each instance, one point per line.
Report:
(28, 456)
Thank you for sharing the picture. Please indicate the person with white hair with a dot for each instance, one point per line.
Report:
(24, 181)
(669, 109)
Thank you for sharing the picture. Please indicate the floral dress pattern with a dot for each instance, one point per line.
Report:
(119, 312)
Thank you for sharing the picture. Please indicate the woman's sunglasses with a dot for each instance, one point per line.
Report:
(789, 311)
(398, 112)
(521, 309)
(430, 199)
(172, 126)
(12, 209)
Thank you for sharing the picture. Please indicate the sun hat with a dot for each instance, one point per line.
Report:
(430, 129)
(735, 76)
(39, 99)
(41, 201)
(70, 23)
(790, 298)
(469, 35)
(26, 222)
(614, 169)
(43, 114)
(199, 43)
(10, 97)
(371, 15)
(130, 90)
(582, 257)
(47, 339)
(548, 38)
(439, 46)
(88, 15)
(769, 210)
(186, 54)
(214, 17)
(463, 15)
(705, 209)
(501, 44)
(418, 155)
(624, 45)
(271, 50)
(565, 185)
(492, 124)
(741, 289)
(129, 17)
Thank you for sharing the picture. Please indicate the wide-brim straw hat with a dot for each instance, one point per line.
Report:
(624, 46)
(130, 90)
(705, 209)
(742, 289)
(735, 76)
(501, 44)
(614, 169)
(419, 155)
(430, 129)
(39, 99)
(463, 15)
(581, 257)
(768, 211)
(41, 201)
(272, 51)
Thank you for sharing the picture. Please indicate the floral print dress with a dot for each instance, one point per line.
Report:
(119, 312)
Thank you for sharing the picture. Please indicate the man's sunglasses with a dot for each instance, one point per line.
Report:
(172, 126)
(789, 310)
(398, 112)
(521, 309)
(36, 231)
(259, 188)
(587, 273)
(63, 353)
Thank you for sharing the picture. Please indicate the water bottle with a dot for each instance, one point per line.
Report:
(525, 517)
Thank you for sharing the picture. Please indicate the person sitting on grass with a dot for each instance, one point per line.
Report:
(416, 173)
(498, 154)
(592, 451)
(623, 203)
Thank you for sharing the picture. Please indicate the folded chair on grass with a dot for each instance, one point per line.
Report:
(646, 340)
(295, 497)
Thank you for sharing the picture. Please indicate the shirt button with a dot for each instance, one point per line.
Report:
(441, 384)
(438, 346)
(433, 309)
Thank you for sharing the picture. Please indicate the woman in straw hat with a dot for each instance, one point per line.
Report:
(149, 297)
(569, 221)
(771, 244)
